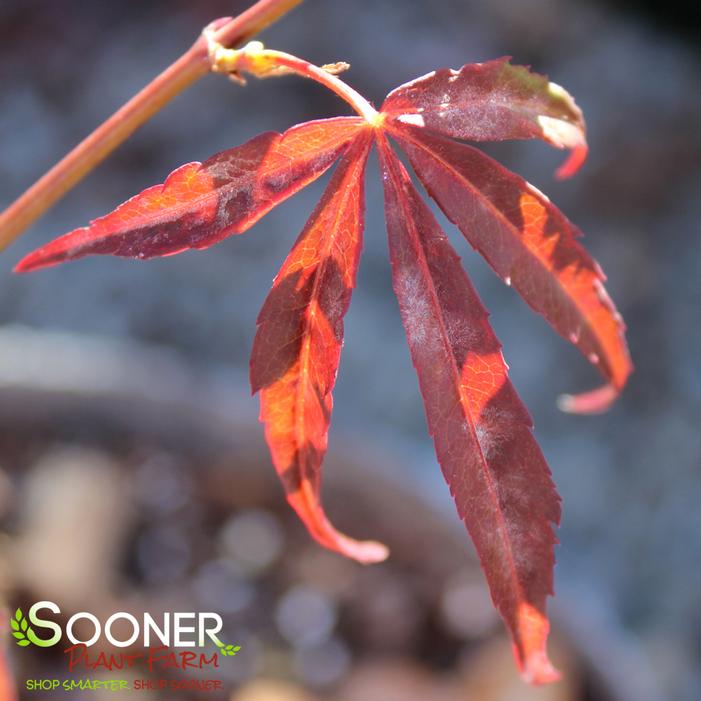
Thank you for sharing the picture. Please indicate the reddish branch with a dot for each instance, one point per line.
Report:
(190, 67)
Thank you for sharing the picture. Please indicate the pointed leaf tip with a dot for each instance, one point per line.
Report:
(538, 670)
(573, 163)
(596, 401)
(306, 502)
(530, 638)
(366, 552)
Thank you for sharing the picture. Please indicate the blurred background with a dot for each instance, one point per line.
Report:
(132, 470)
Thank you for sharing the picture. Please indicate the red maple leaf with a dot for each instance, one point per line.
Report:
(482, 432)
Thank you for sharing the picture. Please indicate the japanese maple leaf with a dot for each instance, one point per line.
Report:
(482, 432)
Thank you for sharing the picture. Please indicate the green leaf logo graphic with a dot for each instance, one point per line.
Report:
(21, 629)
(228, 650)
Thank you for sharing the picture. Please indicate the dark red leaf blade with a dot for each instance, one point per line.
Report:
(493, 101)
(298, 345)
(531, 245)
(200, 204)
(482, 432)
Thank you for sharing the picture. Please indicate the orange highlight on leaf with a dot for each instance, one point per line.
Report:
(200, 204)
(298, 346)
(528, 242)
(529, 646)
(497, 475)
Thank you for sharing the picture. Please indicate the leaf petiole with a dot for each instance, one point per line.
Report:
(260, 62)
